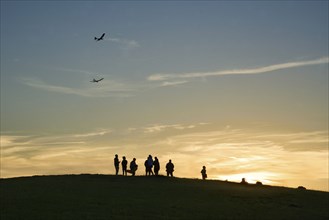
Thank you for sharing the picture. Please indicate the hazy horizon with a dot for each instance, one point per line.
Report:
(239, 87)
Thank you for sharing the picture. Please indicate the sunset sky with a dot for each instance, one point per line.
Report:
(240, 87)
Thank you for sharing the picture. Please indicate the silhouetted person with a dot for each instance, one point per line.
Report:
(124, 166)
(259, 183)
(170, 168)
(301, 188)
(146, 168)
(204, 173)
(243, 181)
(133, 166)
(149, 166)
(145, 165)
(156, 165)
(116, 164)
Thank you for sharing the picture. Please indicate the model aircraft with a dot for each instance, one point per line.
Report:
(96, 80)
(100, 38)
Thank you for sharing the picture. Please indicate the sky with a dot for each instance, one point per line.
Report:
(240, 87)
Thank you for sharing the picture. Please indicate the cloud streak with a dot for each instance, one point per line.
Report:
(128, 44)
(108, 88)
(258, 70)
(7, 141)
(159, 128)
(174, 83)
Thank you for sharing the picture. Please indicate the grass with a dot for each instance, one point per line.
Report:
(116, 197)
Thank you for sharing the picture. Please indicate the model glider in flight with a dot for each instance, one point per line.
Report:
(96, 80)
(100, 38)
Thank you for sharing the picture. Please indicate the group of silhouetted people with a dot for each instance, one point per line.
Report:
(133, 166)
(152, 167)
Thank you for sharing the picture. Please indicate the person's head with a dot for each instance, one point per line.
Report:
(124, 157)
(204, 167)
(116, 155)
(155, 158)
(134, 159)
(169, 161)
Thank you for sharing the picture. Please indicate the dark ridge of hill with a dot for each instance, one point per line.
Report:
(89, 196)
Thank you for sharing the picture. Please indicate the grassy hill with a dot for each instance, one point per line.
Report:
(117, 197)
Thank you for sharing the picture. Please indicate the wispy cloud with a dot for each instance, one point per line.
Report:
(173, 83)
(127, 44)
(36, 83)
(108, 88)
(7, 141)
(11, 140)
(258, 70)
(159, 128)
(314, 137)
(100, 132)
(52, 154)
(70, 70)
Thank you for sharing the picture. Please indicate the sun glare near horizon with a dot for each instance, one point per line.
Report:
(252, 178)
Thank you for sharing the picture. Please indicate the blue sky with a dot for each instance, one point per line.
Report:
(171, 70)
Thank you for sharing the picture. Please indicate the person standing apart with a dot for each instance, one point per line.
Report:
(170, 168)
(116, 164)
(204, 173)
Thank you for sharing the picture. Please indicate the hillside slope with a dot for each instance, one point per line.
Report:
(117, 197)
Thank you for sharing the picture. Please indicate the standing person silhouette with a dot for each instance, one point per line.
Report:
(124, 166)
(204, 173)
(170, 168)
(156, 165)
(146, 167)
(149, 166)
(116, 164)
